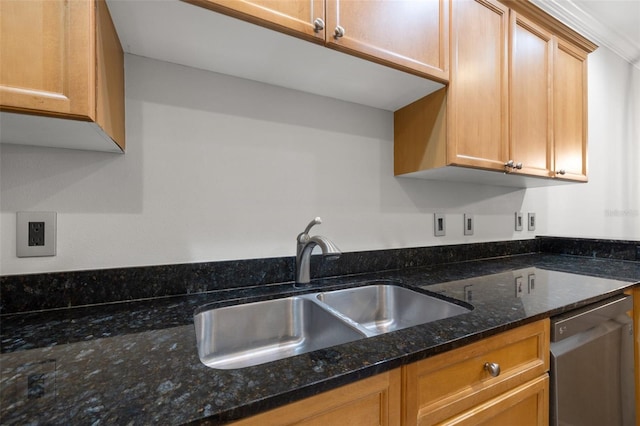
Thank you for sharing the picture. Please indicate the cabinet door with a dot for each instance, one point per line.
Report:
(526, 405)
(478, 107)
(372, 401)
(293, 17)
(47, 50)
(570, 112)
(407, 34)
(531, 56)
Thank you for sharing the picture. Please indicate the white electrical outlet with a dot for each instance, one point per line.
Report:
(519, 223)
(439, 225)
(35, 234)
(531, 221)
(468, 224)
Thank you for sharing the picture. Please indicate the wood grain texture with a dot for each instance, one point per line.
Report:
(531, 11)
(570, 111)
(110, 111)
(292, 17)
(47, 51)
(635, 314)
(446, 385)
(478, 98)
(406, 34)
(526, 405)
(420, 134)
(372, 401)
(531, 100)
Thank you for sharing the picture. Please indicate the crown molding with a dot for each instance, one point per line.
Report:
(572, 15)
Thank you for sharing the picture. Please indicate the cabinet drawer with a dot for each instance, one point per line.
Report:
(526, 405)
(440, 387)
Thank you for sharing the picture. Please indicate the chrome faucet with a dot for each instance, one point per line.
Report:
(305, 245)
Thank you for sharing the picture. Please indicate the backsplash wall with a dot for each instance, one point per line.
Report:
(221, 168)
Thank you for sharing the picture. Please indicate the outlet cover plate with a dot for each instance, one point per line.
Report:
(531, 221)
(23, 249)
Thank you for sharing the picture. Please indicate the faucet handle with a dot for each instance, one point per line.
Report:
(314, 222)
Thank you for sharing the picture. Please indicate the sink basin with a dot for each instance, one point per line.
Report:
(383, 308)
(254, 333)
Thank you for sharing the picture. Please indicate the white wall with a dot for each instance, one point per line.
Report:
(609, 205)
(223, 168)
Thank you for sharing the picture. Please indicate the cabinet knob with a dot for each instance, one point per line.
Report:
(512, 165)
(561, 171)
(493, 368)
(338, 32)
(318, 25)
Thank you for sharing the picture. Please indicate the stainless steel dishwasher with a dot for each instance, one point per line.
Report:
(592, 365)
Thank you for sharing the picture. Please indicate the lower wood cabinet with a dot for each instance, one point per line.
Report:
(453, 388)
(459, 386)
(635, 292)
(372, 401)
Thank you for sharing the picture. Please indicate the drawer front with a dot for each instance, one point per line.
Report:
(526, 405)
(440, 387)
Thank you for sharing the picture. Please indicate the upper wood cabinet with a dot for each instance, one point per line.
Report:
(530, 97)
(293, 17)
(516, 102)
(478, 101)
(408, 35)
(570, 111)
(61, 59)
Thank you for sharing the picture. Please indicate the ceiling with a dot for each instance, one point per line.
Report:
(614, 24)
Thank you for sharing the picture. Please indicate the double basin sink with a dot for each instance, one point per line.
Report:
(254, 333)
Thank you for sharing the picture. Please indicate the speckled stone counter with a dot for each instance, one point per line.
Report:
(137, 363)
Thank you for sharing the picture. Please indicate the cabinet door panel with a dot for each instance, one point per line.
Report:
(293, 17)
(372, 401)
(570, 112)
(478, 113)
(412, 34)
(47, 50)
(531, 99)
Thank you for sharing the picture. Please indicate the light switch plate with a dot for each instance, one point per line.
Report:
(531, 221)
(439, 225)
(44, 243)
(519, 221)
(468, 224)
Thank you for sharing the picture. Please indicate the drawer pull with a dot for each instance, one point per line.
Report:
(493, 368)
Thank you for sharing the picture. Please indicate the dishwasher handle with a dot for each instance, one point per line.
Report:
(577, 321)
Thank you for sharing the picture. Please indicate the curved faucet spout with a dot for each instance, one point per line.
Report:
(305, 245)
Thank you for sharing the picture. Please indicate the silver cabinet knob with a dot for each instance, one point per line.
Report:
(561, 171)
(493, 368)
(512, 165)
(318, 25)
(338, 32)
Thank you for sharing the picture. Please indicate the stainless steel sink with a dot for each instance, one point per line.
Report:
(383, 308)
(254, 333)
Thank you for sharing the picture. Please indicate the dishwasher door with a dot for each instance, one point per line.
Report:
(592, 366)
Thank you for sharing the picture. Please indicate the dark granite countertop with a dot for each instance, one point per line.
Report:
(137, 362)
